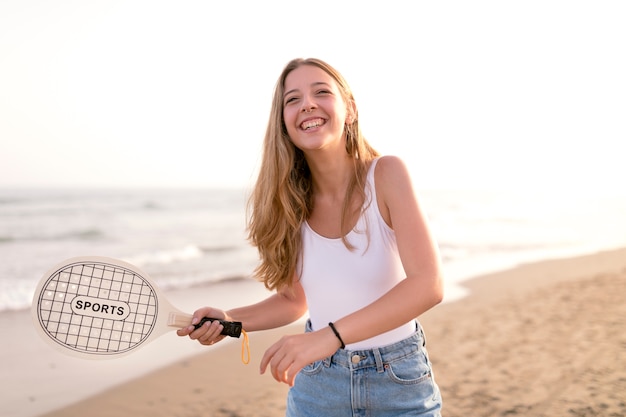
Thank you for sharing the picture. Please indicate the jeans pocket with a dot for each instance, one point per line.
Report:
(312, 368)
(412, 369)
(409, 385)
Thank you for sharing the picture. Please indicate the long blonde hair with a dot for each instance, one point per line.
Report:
(282, 197)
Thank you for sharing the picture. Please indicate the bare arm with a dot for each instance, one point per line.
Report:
(277, 310)
(418, 292)
(423, 287)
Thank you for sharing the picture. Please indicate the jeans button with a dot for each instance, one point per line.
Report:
(356, 359)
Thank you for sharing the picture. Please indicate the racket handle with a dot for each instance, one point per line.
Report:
(231, 328)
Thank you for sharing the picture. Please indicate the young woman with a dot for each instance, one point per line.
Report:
(340, 234)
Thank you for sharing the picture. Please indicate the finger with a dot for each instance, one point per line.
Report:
(200, 313)
(211, 332)
(286, 369)
(186, 331)
(284, 377)
(288, 376)
(210, 338)
(267, 357)
(280, 367)
(199, 332)
(291, 380)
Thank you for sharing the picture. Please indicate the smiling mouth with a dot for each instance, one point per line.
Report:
(311, 124)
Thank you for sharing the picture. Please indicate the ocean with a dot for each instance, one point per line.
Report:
(189, 237)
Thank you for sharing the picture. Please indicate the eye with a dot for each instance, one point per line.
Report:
(323, 91)
(290, 99)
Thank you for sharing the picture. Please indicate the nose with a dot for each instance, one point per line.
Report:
(307, 105)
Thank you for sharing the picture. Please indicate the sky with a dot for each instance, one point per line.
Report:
(471, 94)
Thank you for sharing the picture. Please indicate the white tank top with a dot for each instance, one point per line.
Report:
(338, 281)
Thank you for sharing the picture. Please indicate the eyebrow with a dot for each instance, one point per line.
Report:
(315, 84)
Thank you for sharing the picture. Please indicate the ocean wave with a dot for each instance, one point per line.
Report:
(89, 234)
(200, 283)
(151, 205)
(186, 253)
(86, 234)
(217, 249)
(451, 252)
(9, 201)
(183, 237)
(15, 296)
(234, 278)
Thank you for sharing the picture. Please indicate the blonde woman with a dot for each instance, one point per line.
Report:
(340, 234)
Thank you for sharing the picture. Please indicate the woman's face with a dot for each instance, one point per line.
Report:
(314, 111)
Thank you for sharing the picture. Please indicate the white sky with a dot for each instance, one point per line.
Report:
(472, 94)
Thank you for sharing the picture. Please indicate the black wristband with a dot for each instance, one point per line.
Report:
(332, 327)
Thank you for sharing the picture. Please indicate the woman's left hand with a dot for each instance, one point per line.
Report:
(292, 353)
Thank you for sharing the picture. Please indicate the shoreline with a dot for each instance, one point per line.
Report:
(518, 344)
(43, 378)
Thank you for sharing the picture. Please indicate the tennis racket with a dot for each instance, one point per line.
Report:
(99, 308)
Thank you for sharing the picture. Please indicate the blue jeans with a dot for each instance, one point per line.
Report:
(395, 380)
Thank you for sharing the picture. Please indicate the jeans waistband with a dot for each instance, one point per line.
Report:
(377, 357)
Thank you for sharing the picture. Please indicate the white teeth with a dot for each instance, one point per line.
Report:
(312, 123)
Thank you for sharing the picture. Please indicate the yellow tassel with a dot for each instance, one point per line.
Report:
(245, 348)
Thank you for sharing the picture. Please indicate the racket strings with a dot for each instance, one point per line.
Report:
(95, 332)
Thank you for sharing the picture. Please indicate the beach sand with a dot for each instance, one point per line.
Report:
(543, 339)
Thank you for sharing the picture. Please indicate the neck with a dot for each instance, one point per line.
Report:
(331, 175)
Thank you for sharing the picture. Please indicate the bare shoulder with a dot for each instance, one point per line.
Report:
(394, 189)
(391, 170)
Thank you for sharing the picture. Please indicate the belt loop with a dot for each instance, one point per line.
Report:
(421, 332)
(380, 367)
(327, 361)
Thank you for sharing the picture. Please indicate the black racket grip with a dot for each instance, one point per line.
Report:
(231, 328)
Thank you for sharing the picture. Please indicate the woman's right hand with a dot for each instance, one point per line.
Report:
(209, 332)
